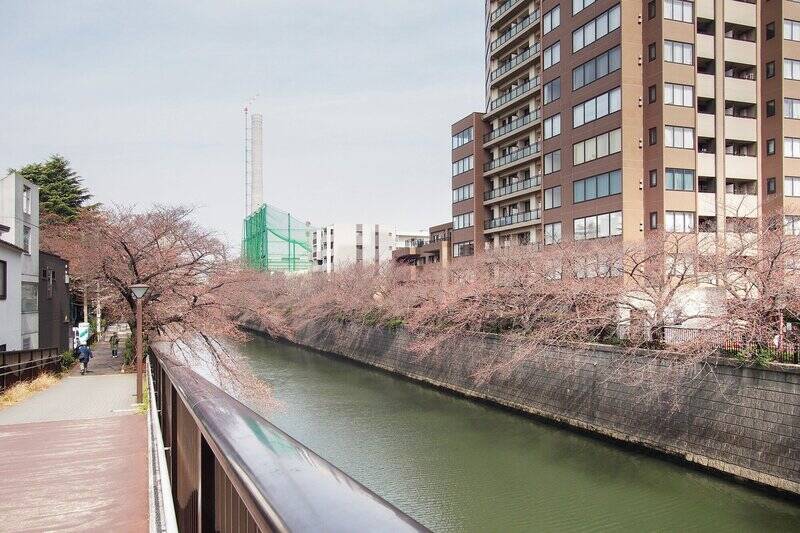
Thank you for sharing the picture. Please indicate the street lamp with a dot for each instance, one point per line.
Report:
(139, 291)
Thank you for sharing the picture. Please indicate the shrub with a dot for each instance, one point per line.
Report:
(67, 360)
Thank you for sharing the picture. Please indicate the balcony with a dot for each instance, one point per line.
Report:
(515, 31)
(705, 46)
(512, 126)
(502, 192)
(513, 157)
(498, 15)
(510, 96)
(741, 128)
(738, 12)
(706, 204)
(705, 125)
(705, 85)
(741, 205)
(740, 90)
(737, 51)
(510, 65)
(511, 220)
(741, 166)
(706, 165)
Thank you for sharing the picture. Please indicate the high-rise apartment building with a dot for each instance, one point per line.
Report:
(608, 118)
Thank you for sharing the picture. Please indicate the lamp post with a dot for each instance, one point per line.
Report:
(139, 291)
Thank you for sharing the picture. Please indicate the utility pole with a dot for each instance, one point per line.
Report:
(85, 302)
(98, 327)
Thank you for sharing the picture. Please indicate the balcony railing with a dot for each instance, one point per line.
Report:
(516, 93)
(510, 158)
(508, 65)
(497, 13)
(513, 125)
(530, 183)
(509, 220)
(515, 30)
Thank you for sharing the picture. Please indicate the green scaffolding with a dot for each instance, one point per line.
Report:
(274, 241)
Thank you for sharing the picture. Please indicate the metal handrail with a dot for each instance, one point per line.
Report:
(516, 218)
(508, 65)
(516, 30)
(503, 9)
(530, 183)
(510, 158)
(513, 125)
(283, 485)
(516, 93)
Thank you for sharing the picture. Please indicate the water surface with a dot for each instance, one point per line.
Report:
(457, 465)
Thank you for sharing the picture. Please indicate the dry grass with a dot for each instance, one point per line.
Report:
(24, 389)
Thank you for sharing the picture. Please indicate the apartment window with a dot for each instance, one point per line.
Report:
(771, 186)
(679, 221)
(651, 52)
(791, 69)
(597, 147)
(679, 137)
(771, 108)
(552, 162)
(463, 221)
(26, 200)
(654, 220)
(551, 19)
(26, 239)
(653, 178)
(463, 165)
(552, 55)
(791, 225)
(791, 108)
(580, 5)
(678, 52)
(651, 9)
(596, 28)
(599, 186)
(791, 147)
(552, 197)
(770, 30)
(463, 193)
(791, 186)
(652, 136)
(596, 68)
(770, 146)
(791, 30)
(769, 70)
(552, 91)
(597, 226)
(679, 179)
(552, 126)
(3, 280)
(463, 137)
(462, 249)
(680, 95)
(552, 233)
(30, 297)
(652, 94)
(597, 107)
(679, 10)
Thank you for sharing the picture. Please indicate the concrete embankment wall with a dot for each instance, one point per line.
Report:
(740, 421)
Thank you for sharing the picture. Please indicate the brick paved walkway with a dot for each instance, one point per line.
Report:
(75, 455)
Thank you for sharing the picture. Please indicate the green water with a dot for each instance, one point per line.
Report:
(456, 465)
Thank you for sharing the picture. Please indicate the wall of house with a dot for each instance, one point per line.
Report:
(740, 421)
(10, 317)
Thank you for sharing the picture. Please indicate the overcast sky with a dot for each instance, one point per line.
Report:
(145, 98)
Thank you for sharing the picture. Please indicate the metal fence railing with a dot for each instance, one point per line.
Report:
(25, 365)
(785, 350)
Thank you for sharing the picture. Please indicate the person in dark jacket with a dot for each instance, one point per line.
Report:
(114, 345)
(84, 354)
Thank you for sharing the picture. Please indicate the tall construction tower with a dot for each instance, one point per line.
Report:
(253, 161)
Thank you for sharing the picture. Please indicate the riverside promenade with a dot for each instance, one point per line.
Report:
(75, 455)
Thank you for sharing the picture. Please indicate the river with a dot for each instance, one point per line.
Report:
(458, 465)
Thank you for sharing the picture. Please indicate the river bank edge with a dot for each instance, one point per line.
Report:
(639, 427)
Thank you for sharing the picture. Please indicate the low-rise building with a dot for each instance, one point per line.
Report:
(10, 294)
(19, 212)
(433, 250)
(338, 245)
(55, 314)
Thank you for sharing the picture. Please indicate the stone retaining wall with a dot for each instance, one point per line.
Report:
(741, 421)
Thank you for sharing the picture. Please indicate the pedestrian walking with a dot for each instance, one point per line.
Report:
(114, 345)
(84, 354)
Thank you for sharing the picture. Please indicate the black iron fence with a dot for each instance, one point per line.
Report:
(785, 350)
(25, 365)
(231, 470)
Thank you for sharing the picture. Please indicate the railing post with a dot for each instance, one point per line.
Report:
(207, 483)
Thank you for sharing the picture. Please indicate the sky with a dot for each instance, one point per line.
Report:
(146, 99)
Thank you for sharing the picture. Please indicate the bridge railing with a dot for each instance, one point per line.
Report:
(24, 365)
(232, 470)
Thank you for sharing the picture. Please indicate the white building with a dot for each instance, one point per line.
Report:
(19, 212)
(339, 245)
(10, 294)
